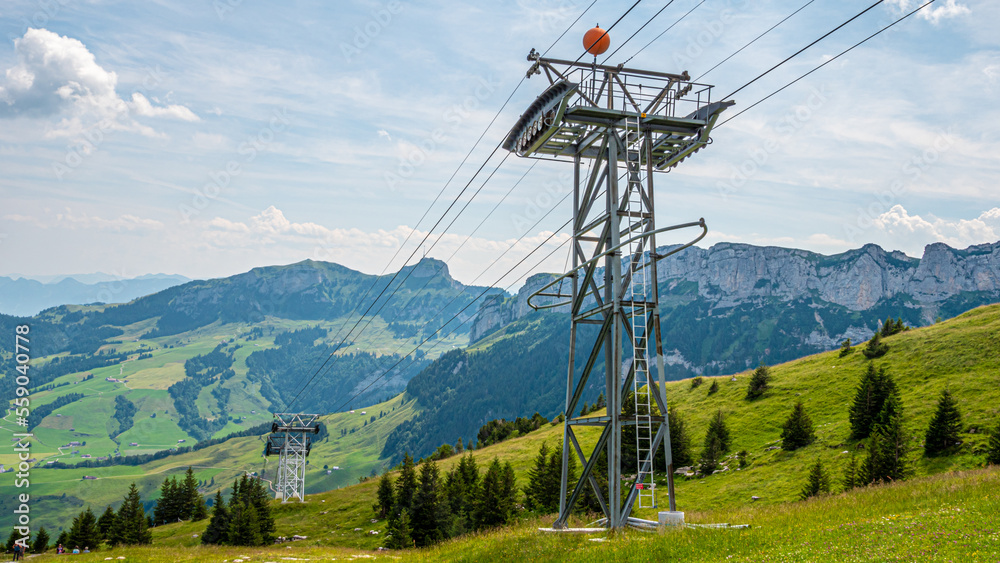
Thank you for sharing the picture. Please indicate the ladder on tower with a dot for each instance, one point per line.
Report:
(637, 220)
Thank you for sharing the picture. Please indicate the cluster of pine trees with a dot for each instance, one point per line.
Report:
(246, 520)
(128, 526)
(179, 501)
(423, 509)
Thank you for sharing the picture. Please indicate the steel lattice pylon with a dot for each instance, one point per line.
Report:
(627, 123)
(290, 439)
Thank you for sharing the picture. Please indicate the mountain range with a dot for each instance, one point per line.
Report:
(208, 358)
(23, 296)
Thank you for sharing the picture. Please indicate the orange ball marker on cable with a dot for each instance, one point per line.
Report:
(596, 41)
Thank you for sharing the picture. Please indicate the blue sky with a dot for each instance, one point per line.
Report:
(206, 138)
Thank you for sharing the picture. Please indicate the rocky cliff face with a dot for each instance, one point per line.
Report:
(731, 275)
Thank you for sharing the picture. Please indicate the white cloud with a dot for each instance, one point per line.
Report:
(933, 14)
(384, 133)
(57, 76)
(141, 106)
(912, 232)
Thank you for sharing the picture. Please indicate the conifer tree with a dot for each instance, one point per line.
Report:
(717, 427)
(490, 510)
(710, 455)
(845, 348)
(943, 432)
(993, 450)
(874, 387)
(713, 388)
(887, 447)
(167, 506)
(41, 543)
(759, 382)
(468, 473)
(537, 481)
(429, 511)
(508, 491)
(797, 430)
(218, 527)
(875, 348)
(131, 524)
(852, 478)
(680, 442)
(244, 528)
(818, 482)
(406, 485)
(106, 522)
(384, 496)
(398, 536)
(189, 497)
(84, 533)
(255, 495)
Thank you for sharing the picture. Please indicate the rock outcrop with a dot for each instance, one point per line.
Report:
(730, 274)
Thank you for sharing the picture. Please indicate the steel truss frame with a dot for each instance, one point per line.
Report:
(602, 114)
(290, 437)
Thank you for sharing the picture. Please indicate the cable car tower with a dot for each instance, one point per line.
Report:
(291, 440)
(627, 124)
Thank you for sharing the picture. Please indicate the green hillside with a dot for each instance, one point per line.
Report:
(963, 353)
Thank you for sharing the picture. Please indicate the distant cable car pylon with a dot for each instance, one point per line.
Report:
(291, 440)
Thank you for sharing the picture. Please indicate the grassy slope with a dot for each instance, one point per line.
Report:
(962, 353)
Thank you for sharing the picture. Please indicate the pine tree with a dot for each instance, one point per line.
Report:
(888, 327)
(797, 430)
(508, 491)
(887, 447)
(845, 348)
(759, 382)
(875, 347)
(873, 388)
(384, 496)
(713, 388)
(256, 495)
(217, 531)
(490, 509)
(818, 482)
(680, 442)
(710, 455)
(406, 485)
(188, 496)
(537, 480)
(131, 524)
(852, 477)
(167, 506)
(945, 426)
(200, 511)
(398, 536)
(993, 450)
(244, 529)
(84, 533)
(106, 523)
(41, 543)
(717, 427)
(429, 511)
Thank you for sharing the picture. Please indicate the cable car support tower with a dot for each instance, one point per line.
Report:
(627, 124)
(291, 440)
